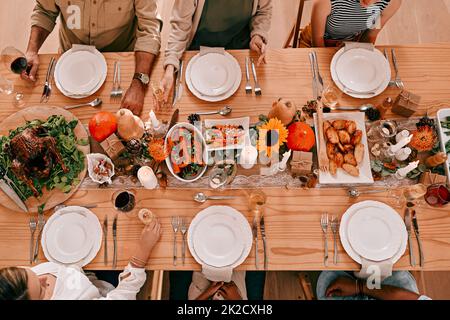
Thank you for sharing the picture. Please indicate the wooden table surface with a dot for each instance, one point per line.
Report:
(292, 216)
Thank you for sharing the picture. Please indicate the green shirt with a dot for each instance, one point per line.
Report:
(224, 23)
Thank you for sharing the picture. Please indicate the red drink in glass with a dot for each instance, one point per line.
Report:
(437, 195)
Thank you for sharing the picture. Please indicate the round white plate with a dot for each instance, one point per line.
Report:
(361, 70)
(344, 226)
(212, 74)
(386, 73)
(218, 239)
(70, 238)
(79, 74)
(241, 234)
(375, 233)
(235, 77)
(96, 233)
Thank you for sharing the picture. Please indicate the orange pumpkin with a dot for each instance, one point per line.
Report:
(102, 125)
(301, 137)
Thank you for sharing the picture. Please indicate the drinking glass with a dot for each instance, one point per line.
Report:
(6, 86)
(124, 201)
(14, 60)
(256, 199)
(437, 195)
(382, 130)
(330, 96)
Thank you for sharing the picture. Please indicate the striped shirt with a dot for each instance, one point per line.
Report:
(348, 18)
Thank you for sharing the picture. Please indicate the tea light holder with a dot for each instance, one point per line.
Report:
(147, 178)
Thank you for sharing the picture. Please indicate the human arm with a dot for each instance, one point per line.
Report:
(372, 34)
(321, 9)
(260, 26)
(133, 277)
(43, 20)
(230, 291)
(210, 291)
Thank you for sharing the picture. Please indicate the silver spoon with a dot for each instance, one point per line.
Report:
(96, 103)
(347, 108)
(201, 197)
(223, 112)
(355, 193)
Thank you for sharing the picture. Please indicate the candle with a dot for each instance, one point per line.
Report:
(403, 154)
(154, 120)
(248, 157)
(396, 147)
(402, 172)
(147, 178)
(404, 134)
(283, 164)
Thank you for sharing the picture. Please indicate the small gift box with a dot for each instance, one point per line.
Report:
(113, 147)
(406, 104)
(427, 178)
(301, 163)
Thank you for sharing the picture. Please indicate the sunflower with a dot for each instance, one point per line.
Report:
(272, 135)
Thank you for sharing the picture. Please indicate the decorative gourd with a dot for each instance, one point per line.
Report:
(102, 125)
(301, 137)
(129, 126)
(283, 110)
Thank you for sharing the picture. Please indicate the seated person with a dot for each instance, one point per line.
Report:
(51, 281)
(231, 24)
(110, 26)
(340, 285)
(187, 285)
(335, 21)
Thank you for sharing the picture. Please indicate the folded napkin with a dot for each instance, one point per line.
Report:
(83, 47)
(354, 45)
(369, 268)
(200, 283)
(206, 50)
(217, 274)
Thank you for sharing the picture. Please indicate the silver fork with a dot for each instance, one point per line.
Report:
(33, 225)
(324, 225)
(183, 229)
(398, 80)
(319, 77)
(258, 90)
(334, 229)
(47, 86)
(175, 227)
(119, 88)
(248, 86)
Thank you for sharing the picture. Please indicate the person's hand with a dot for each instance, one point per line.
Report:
(230, 291)
(257, 44)
(149, 237)
(342, 287)
(167, 82)
(33, 65)
(210, 291)
(134, 97)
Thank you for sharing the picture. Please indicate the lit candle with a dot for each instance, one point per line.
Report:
(154, 120)
(402, 172)
(402, 143)
(147, 178)
(248, 157)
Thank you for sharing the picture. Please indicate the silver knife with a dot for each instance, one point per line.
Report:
(408, 229)
(419, 242)
(262, 226)
(255, 236)
(105, 240)
(178, 86)
(9, 191)
(115, 242)
(313, 73)
(318, 76)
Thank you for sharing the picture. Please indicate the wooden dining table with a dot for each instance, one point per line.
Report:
(292, 216)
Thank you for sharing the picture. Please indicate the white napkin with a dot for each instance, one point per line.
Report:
(353, 45)
(372, 268)
(206, 50)
(199, 284)
(83, 47)
(217, 274)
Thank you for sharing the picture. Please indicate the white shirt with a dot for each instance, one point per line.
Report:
(73, 284)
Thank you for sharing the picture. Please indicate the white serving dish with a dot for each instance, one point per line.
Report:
(244, 122)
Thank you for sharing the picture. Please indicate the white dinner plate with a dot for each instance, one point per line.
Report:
(384, 72)
(70, 238)
(365, 170)
(343, 228)
(375, 233)
(213, 74)
(235, 77)
(361, 70)
(80, 73)
(56, 252)
(225, 243)
(218, 239)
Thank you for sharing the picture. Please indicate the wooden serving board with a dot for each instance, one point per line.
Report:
(54, 197)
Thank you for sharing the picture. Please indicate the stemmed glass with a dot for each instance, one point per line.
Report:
(13, 60)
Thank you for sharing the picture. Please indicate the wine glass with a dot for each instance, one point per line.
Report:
(14, 60)
(330, 96)
(6, 86)
(437, 195)
(125, 201)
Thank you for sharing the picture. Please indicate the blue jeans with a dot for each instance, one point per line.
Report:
(399, 279)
